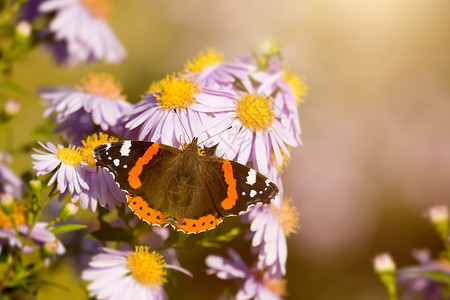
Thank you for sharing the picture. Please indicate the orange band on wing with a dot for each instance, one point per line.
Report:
(133, 175)
(197, 225)
(230, 201)
(150, 215)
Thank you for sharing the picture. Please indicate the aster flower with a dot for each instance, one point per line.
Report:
(77, 174)
(179, 102)
(270, 225)
(39, 234)
(102, 187)
(416, 280)
(288, 92)
(78, 31)
(97, 101)
(256, 131)
(9, 182)
(66, 161)
(115, 274)
(253, 283)
(210, 69)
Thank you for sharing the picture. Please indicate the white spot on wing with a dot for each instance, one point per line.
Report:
(125, 149)
(268, 181)
(253, 193)
(116, 162)
(243, 194)
(108, 145)
(251, 178)
(125, 166)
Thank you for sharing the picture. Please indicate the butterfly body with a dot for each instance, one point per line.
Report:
(191, 192)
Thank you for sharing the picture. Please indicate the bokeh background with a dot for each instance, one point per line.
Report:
(376, 122)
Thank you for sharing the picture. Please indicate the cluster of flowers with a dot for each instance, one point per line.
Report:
(256, 102)
(431, 277)
(74, 31)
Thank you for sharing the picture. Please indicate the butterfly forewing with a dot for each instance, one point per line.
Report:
(235, 187)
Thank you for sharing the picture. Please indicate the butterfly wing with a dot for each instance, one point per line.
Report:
(159, 190)
(140, 168)
(235, 187)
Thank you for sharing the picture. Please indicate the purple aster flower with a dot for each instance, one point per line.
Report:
(416, 280)
(257, 130)
(9, 182)
(97, 101)
(40, 235)
(287, 90)
(253, 283)
(66, 161)
(210, 69)
(118, 275)
(79, 31)
(102, 187)
(77, 174)
(270, 225)
(180, 102)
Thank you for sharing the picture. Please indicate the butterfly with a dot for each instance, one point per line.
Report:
(182, 188)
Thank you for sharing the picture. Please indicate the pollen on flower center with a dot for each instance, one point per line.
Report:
(98, 8)
(255, 111)
(204, 60)
(147, 268)
(90, 143)
(287, 216)
(102, 84)
(298, 86)
(177, 92)
(19, 215)
(69, 156)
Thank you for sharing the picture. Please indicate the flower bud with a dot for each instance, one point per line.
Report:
(7, 203)
(384, 266)
(36, 186)
(438, 215)
(383, 263)
(67, 211)
(50, 248)
(24, 29)
(11, 107)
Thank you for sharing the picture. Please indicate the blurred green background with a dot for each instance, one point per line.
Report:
(376, 122)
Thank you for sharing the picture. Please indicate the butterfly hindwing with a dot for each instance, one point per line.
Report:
(235, 187)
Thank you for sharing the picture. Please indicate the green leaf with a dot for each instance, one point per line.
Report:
(68, 228)
(13, 87)
(111, 234)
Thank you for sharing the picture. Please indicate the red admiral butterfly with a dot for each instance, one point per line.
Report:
(165, 185)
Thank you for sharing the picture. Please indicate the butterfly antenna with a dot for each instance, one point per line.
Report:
(216, 134)
(187, 134)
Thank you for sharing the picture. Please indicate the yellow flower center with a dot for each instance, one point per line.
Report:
(147, 268)
(255, 111)
(297, 85)
(19, 215)
(90, 143)
(276, 286)
(98, 8)
(102, 84)
(177, 92)
(69, 156)
(287, 216)
(203, 60)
